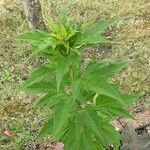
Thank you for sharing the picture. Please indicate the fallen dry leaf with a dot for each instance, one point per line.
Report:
(7, 132)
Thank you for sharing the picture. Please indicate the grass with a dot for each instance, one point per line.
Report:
(16, 109)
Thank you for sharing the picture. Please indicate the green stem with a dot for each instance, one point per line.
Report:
(94, 99)
(71, 74)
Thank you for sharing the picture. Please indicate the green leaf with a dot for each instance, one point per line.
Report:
(85, 141)
(111, 69)
(44, 100)
(62, 68)
(37, 76)
(90, 142)
(46, 129)
(93, 122)
(79, 122)
(33, 37)
(96, 39)
(94, 126)
(76, 89)
(86, 25)
(100, 26)
(50, 100)
(70, 141)
(49, 42)
(58, 30)
(92, 34)
(110, 135)
(104, 69)
(62, 17)
(111, 107)
(86, 95)
(61, 114)
(76, 141)
(93, 66)
(41, 87)
(129, 99)
(99, 85)
(54, 27)
(84, 138)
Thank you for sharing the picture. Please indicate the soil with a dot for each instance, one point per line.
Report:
(141, 119)
(135, 133)
(50, 146)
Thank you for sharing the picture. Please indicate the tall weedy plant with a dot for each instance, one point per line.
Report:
(83, 102)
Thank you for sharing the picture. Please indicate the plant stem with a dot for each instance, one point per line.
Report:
(71, 74)
(94, 99)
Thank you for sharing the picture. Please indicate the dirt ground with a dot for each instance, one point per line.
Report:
(133, 35)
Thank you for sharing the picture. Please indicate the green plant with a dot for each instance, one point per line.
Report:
(82, 100)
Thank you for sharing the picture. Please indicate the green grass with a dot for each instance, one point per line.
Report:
(16, 109)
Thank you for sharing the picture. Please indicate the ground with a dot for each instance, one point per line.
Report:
(132, 34)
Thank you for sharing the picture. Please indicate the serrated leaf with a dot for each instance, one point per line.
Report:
(55, 99)
(58, 30)
(129, 99)
(50, 100)
(112, 68)
(114, 112)
(63, 134)
(87, 95)
(93, 122)
(101, 26)
(101, 86)
(54, 27)
(104, 69)
(86, 25)
(61, 114)
(110, 135)
(36, 76)
(96, 39)
(76, 142)
(62, 68)
(79, 122)
(41, 87)
(62, 17)
(70, 141)
(92, 34)
(44, 100)
(46, 43)
(33, 37)
(90, 141)
(76, 89)
(85, 142)
(46, 129)
(83, 134)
